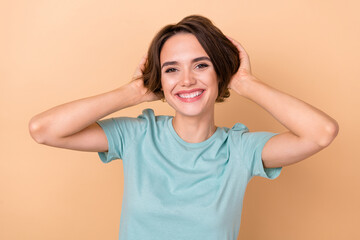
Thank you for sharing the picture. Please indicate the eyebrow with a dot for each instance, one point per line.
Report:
(192, 61)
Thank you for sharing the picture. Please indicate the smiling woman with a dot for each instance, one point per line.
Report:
(192, 79)
(218, 49)
(185, 178)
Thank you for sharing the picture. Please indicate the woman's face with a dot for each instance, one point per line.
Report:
(188, 76)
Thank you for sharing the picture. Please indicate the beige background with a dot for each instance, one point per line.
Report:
(52, 52)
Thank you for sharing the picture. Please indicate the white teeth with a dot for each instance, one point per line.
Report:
(190, 95)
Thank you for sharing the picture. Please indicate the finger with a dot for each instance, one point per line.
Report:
(237, 44)
(244, 57)
(140, 68)
(142, 62)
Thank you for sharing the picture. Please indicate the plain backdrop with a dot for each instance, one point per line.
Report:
(52, 52)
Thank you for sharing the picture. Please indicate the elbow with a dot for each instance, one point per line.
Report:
(331, 130)
(35, 130)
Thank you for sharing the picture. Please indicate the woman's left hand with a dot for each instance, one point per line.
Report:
(243, 75)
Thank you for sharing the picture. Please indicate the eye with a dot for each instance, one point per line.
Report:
(170, 70)
(202, 65)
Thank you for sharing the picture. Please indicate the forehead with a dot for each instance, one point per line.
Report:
(181, 47)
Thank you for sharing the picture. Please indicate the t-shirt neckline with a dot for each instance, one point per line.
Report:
(188, 144)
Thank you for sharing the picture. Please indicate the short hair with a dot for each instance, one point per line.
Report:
(222, 52)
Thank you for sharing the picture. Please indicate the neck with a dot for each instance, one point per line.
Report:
(194, 129)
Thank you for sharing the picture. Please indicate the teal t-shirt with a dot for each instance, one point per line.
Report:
(178, 190)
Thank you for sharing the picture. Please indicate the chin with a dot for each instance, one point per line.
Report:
(190, 109)
(190, 113)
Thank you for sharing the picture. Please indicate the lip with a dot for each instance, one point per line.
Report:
(189, 91)
(190, 100)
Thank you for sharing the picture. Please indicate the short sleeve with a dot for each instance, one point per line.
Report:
(252, 144)
(121, 132)
(115, 140)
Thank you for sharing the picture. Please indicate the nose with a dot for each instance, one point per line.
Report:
(187, 79)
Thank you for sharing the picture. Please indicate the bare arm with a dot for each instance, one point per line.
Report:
(310, 129)
(72, 125)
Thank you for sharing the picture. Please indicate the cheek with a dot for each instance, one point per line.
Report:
(215, 87)
(165, 87)
(214, 83)
(168, 83)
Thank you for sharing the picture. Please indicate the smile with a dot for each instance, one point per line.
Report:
(187, 96)
(191, 95)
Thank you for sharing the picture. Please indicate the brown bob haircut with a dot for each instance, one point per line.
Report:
(223, 54)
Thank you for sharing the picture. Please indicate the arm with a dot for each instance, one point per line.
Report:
(310, 129)
(72, 125)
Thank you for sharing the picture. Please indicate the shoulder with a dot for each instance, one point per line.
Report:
(148, 115)
(233, 135)
(241, 133)
(237, 131)
(240, 136)
(239, 127)
(147, 121)
(130, 124)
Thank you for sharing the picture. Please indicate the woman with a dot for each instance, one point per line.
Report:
(185, 178)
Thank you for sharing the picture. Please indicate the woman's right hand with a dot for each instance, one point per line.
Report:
(138, 83)
(73, 125)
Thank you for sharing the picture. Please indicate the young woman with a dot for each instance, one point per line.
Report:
(185, 178)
